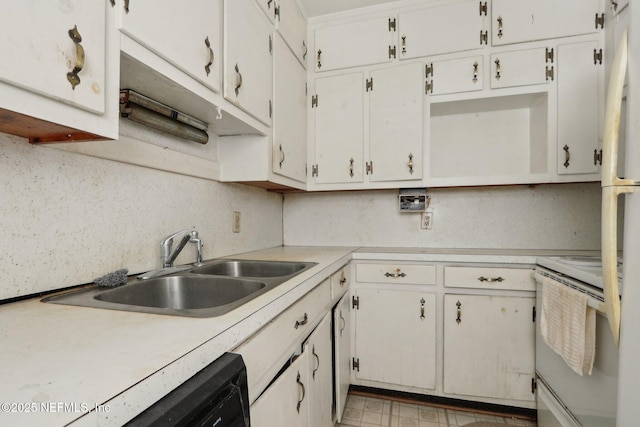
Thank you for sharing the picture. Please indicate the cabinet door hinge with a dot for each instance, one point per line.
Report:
(548, 55)
(368, 85)
(276, 12)
(392, 52)
(392, 24)
(549, 73)
(314, 101)
(534, 385)
(484, 37)
(483, 8)
(428, 70)
(428, 87)
(314, 170)
(368, 166)
(597, 57)
(355, 364)
(597, 157)
(600, 21)
(355, 302)
(533, 314)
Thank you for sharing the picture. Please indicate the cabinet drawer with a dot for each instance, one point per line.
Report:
(521, 68)
(340, 282)
(413, 274)
(268, 347)
(518, 279)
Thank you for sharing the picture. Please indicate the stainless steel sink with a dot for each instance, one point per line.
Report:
(250, 268)
(213, 289)
(183, 292)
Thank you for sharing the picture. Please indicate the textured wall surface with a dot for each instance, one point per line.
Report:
(560, 216)
(68, 218)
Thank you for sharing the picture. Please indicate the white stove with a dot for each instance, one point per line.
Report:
(587, 269)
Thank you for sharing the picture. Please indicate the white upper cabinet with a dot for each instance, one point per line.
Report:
(193, 43)
(338, 114)
(56, 49)
(248, 66)
(578, 107)
(516, 21)
(441, 29)
(522, 67)
(289, 114)
(396, 123)
(292, 26)
(355, 44)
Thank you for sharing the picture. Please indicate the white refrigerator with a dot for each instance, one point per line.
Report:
(625, 317)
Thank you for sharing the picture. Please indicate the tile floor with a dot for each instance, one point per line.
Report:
(376, 412)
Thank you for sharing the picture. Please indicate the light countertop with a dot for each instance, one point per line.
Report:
(61, 364)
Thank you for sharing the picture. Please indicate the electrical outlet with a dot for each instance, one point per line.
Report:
(236, 221)
(427, 220)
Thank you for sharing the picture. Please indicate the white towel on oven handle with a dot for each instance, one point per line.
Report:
(568, 325)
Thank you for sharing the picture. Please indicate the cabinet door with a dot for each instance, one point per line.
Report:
(578, 112)
(194, 43)
(286, 401)
(522, 68)
(354, 44)
(342, 337)
(455, 75)
(43, 43)
(516, 21)
(248, 69)
(442, 29)
(292, 25)
(396, 123)
(290, 114)
(339, 128)
(395, 338)
(320, 374)
(489, 346)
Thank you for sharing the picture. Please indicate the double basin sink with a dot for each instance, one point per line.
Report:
(209, 290)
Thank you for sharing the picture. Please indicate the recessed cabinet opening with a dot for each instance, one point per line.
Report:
(501, 136)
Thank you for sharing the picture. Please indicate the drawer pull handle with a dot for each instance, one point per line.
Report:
(313, 351)
(303, 321)
(344, 323)
(459, 312)
(207, 67)
(422, 301)
(238, 80)
(303, 392)
(396, 274)
(490, 279)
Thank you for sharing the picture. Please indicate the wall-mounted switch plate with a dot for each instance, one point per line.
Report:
(236, 221)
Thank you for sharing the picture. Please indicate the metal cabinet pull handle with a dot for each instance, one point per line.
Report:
(313, 351)
(490, 279)
(497, 62)
(319, 54)
(343, 279)
(459, 312)
(475, 72)
(238, 80)
(351, 161)
(302, 322)
(410, 164)
(126, 6)
(567, 155)
(72, 75)
(207, 67)
(396, 274)
(304, 50)
(269, 4)
(500, 27)
(422, 301)
(282, 156)
(404, 45)
(344, 323)
(303, 392)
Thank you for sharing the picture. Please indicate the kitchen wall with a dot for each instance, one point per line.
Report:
(559, 216)
(67, 218)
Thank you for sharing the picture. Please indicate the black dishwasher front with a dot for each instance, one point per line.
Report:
(217, 396)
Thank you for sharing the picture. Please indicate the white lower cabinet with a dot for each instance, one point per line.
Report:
(489, 346)
(285, 402)
(395, 337)
(342, 352)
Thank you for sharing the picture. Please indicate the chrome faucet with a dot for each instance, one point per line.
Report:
(189, 235)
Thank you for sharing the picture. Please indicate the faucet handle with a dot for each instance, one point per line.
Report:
(170, 237)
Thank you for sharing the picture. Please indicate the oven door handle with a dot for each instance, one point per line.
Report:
(597, 305)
